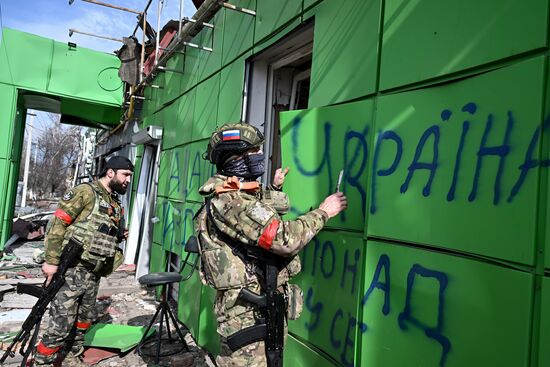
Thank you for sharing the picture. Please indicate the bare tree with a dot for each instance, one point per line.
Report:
(58, 149)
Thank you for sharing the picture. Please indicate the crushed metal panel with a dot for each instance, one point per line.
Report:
(123, 337)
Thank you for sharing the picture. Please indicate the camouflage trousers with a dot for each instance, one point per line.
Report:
(252, 355)
(77, 297)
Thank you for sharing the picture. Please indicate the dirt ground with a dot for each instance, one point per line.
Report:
(121, 301)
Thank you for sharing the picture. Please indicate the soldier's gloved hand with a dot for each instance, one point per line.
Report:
(279, 178)
(49, 271)
(334, 204)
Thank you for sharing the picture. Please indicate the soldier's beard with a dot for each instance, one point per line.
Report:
(117, 186)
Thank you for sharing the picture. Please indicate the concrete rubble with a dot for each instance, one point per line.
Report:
(121, 301)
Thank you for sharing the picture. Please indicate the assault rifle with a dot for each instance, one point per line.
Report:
(270, 329)
(69, 256)
(121, 229)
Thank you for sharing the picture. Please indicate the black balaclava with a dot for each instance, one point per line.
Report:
(246, 166)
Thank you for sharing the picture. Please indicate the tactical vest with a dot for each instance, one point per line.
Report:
(222, 268)
(96, 232)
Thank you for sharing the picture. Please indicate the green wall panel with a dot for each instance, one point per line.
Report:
(332, 265)
(29, 61)
(5, 72)
(189, 302)
(187, 171)
(448, 167)
(210, 62)
(173, 227)
(271, 15)
(184, 227)
(276, 37)
(206, 108)
(424, 39)
(168, 118)
(91, 110)
(544, 340)
(4, 182)
(208, 337)
(164, 173)
(547, 227)
(345, 39)
(173, 83)
(545, 176)
(165, 235)
(192, 55)
(317, 144)
(11, 175)
(197, 170)
(231, 92)
(73, 73)
(309, 3)
(427, 309)
(297, 354)
(152, 98)
(178, 119)
(176, 181)
(238, 35)
(185, 117)
(158, 226)
(8, 97)
(158, 259)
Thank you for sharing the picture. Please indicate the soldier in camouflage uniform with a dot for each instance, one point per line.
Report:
(240, 209)
(90, 213)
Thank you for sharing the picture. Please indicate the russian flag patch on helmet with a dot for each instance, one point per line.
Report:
(231, 135)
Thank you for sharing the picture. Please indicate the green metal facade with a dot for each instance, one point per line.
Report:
(79, 83)
(439, 114)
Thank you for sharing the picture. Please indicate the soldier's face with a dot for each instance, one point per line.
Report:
(120, 180)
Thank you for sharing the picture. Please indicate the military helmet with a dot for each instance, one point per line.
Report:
(232, 139)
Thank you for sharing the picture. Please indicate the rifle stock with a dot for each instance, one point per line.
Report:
(272, 305)
(30, 289)
(71, 252)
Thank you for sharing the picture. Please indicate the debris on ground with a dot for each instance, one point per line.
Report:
(123, 307)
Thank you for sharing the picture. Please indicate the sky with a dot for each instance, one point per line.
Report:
(53, 18)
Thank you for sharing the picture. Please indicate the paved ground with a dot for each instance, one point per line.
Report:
(121, 301)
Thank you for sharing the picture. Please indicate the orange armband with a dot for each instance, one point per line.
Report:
(64, 216)
(266, 239)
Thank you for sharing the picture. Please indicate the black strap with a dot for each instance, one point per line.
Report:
(256, 256)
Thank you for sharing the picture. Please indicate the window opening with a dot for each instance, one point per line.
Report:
(277, 80)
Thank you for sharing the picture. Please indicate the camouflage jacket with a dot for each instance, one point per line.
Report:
(251, 219)
(75, 206)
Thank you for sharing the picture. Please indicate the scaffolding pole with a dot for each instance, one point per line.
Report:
(159, 13)
(71, 31)
(112, 6)
(142, 59)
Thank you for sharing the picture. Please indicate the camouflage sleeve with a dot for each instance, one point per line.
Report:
(252, 222)
(69, 208)
(293, 235)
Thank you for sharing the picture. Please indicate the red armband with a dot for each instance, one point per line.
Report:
(61, 214)
(46, 351)
(82, 325)
(269, 233)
